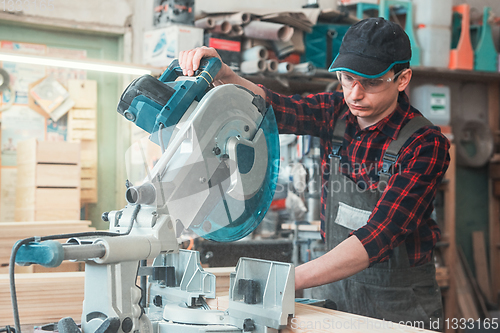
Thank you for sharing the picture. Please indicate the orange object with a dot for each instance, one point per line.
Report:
(463, 56)
(278, 204)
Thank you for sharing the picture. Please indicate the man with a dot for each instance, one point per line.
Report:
(382, 163)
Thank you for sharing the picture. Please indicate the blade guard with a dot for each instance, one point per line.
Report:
(257, 206)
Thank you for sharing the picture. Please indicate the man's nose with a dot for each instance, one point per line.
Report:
(357, 91)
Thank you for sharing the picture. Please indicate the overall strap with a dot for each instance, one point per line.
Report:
(392, 153)
(338, 135)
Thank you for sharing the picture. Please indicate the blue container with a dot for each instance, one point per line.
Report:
(323, 44)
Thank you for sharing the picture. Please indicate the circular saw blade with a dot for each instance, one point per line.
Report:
(236, 215)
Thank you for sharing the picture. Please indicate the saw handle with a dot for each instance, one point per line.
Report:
(210, 66)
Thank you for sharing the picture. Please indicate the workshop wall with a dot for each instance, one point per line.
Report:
(109, 12)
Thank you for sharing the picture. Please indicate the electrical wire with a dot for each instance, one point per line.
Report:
(12, 261)
(8, 329)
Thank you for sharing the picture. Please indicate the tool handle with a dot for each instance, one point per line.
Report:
(207, 65)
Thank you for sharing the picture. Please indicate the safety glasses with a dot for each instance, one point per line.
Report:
(371, 86)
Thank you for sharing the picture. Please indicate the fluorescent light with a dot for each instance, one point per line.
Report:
(64, 63)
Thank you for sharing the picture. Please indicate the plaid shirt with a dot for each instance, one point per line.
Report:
(403, 212)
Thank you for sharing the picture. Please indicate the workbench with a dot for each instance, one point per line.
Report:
(309, 318)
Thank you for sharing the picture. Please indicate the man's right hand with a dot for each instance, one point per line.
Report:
(190, 62)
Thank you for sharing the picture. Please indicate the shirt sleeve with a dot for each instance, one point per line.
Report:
(306, 115)
(407, 201)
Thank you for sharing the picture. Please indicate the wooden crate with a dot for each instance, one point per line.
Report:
(48, 186)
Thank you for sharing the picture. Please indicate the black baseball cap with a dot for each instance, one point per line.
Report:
(371, 47)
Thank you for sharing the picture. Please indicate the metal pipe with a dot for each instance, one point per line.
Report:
(83, 252)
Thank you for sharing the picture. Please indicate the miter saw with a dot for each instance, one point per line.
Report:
(216, 176)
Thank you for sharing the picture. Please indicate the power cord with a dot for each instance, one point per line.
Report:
(8, 329)
(12, 262)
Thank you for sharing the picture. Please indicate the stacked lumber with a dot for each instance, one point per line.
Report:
(43, 297)
(82, 127)
(11, 232)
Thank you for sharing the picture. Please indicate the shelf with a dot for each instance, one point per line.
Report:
(288, 85)
(463, 75)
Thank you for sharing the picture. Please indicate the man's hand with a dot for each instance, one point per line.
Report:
(190, 62)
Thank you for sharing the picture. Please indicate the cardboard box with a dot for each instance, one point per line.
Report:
(353, 2)
(229, 48)
(163, 45)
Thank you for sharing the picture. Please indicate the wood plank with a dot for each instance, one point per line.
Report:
(88, 173)
(83, 134)
(26, 151)
(494, 238)
(24, 214)
(25, 197)
(481, 264)
(57, 214)
(26, 172)
(465, 294)
(84, 124)
(57, 198)
(494, 203)
(88, 183)
(58, 175)
(84, 113)
(58, 152)
(450, 252)
(43, 297)
(88, 195)
(83, 92)
(315, 319)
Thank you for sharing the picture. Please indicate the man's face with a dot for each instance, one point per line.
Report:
(369, 106)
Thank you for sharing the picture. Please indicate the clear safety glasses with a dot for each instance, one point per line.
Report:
(371, 86)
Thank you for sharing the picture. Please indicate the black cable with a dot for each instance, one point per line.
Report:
(12, 261)
(8, 329)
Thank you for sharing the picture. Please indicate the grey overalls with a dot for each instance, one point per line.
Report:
(390, 290)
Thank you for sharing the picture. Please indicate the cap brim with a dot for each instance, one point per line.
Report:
(359, 65)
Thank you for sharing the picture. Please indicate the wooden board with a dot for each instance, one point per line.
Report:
(315, 319)
(83, 93)
(33, 151)
(465, 293)
(43, 297)
(57, 175)
(449, 236)
(481, 264)
(494, 202)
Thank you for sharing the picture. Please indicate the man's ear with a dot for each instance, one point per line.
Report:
(404, 79)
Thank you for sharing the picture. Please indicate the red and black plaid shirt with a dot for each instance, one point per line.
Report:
(403, 212)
